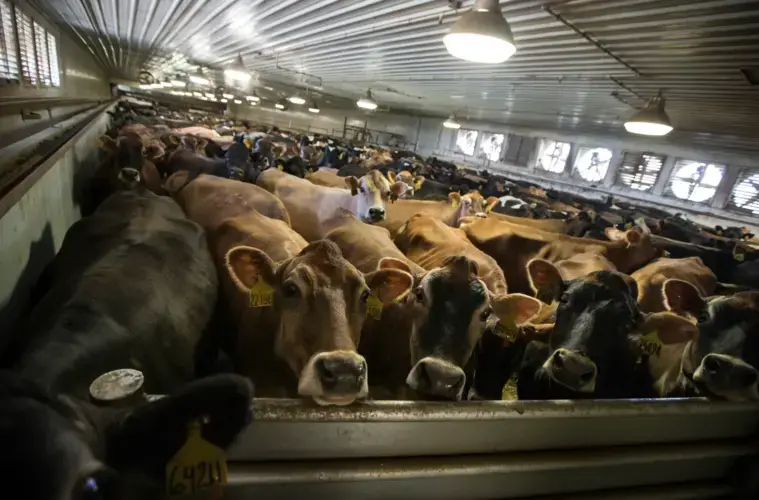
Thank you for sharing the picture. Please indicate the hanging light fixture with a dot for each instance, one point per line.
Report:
(280, 104)
(224, 100)
(178, 83)
(197, 94)
(367, 102)
(237, 101)
(482, 35)
(227, 96)
(451, 122)
(651, 120)
(314, 108)
(237, 71)
(199, 79)
(166, 83)
(253, 97)
(209, 94)
(296, 99)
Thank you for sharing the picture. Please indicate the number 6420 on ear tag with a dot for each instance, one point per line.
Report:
(198, 466)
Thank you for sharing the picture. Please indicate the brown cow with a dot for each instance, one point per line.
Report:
(514, 245)
(298, 309)
(329, 179)
(450, 212)
(651, 280)
(453, 303)
(129, 150)
(310, 206)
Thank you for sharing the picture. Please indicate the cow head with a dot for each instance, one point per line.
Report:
(134, 159)
(405, 177)
(83, 451)
(321, 303)
(589, 344)
(372, 193)
(723, 358)
(451, 307)
(640, 248)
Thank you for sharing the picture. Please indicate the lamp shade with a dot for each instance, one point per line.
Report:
(296, 99)
(451, 122)
(199, 79)
(651, 120)
(367, 102)
(237, 71)
(314, 108)
(482, 35)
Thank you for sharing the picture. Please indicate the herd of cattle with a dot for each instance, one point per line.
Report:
(336, 273)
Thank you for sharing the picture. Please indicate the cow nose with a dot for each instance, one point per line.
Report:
(572, 369)
(437, 378)
(377, 213)
(129, 176)
(482, 215)
(341, 374)
(723, 371)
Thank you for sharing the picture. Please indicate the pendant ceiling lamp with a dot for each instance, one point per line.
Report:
(451, 122)
(314, 108)
(482, 35)
(199, 79)
(367, 102)
(651, 120)
(238, 71)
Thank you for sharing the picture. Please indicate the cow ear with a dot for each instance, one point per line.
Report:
(392, 263)
(391, 176)
(174, 139)
(614, 234)
(398, 188)
(491, 202)
(682, 297)
(455, 199)
(515, 307)
(633, 237)
(389, 285)
(108, 143)
(352, 184)
(545, 279)
(668, 328)
(202, 143)
(154, 151)
(246, 264)
(150, 435)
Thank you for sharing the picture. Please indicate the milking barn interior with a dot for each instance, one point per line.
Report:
(379, 249)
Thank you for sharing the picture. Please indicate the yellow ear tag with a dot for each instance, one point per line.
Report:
(739, 257)
(248, 143)
(261, 294)
(418, 184)
(628, 226)
(650, 343)
(281, 168)
(198, 465)
(507, 328)
(340, 156)
(455, 203)
(374, 307)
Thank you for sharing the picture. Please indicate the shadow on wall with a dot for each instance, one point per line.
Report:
(14, 313)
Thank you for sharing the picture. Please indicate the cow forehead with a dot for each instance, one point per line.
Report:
(441, 286)
(375, 181)
(322, 273)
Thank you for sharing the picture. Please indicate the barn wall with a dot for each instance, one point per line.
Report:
(32, 230)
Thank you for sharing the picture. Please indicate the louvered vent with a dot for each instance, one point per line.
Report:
(52, 54)
(519, 149)
(640, 170)
(745, 195)
(695, 181)
(592, 164)
(43, 61)
(553, 155)
(26, 46)
(8, 58)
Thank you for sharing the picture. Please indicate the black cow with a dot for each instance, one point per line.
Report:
(133, 286)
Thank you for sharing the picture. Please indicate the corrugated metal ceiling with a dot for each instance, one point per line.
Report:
(693, 51)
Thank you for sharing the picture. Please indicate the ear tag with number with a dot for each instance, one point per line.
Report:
(418, 184)
(197, 466)
(507, 328)
(628, 226)
(650, 343)
(374, 307)
(261, 294)
(740, 257)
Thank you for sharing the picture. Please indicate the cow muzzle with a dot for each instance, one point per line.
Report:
(481, 215)
(376, 214)
(572, 369)
(728, 377)
(334, 378)
(129, 177)
(438, 378)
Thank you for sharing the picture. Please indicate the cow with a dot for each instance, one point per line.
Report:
(310, 206)
(720, 357)
(322, 178)
(450, 212)
(133, 286)
(458, 295)
(650, 280)
(596, 348)
(514, 245)
(127, 151)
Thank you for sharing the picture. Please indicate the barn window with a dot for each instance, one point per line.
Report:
(695, 181)
(39, 53)
(519, 149)
(592, 164)
(465, 141)
(8, 57)
(491, 146)
(640, 170)
(745, 195)
(553, 155)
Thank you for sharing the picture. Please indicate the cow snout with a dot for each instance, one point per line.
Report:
(438, 378)
(481, 215)
(376, 214)
(129, 177)
(572, 369)
(728, 377)
(335, 378)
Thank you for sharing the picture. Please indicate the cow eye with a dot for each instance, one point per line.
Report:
(362, 189)
(290, 290)
(484, 315)
(365, 296)
(703, 316)
(419, 294)
(564, 299)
